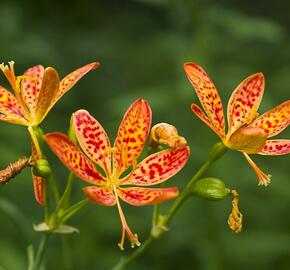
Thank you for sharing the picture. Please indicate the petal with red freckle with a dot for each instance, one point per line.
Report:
(73, 158)
(48, 90)
(10, 110)
(201, 115)
(38, 182)
(71, 79)
(30, 87)
(142, 196)
(132, 134)
(100, 195)
(158, 167)
(208, 96)
(276, 148)
(274, 121)
(92, 138)
(245, 101)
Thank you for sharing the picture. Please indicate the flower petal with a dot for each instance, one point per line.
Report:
(100, 195)
(71, 79)
(30, 88)
(276, 148)
(132, 134)
(49, 88)
(142, 196)
(73, 158)
(38, 182)
(274, 121)
(92, 138)
(208, 96)
(245, 101)
(263, 179)
(158, 167)
(201, 115)
(247, 139)
(10, 110)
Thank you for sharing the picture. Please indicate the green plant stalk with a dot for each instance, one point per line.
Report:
(40, 252)
(73, 210)
(217, 152)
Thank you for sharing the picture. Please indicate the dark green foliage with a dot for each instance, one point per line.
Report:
(142, 46)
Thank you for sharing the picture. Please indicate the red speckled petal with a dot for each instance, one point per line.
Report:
(49, 88)
(208, 96)
(276, 148)
(30, 88)
(73, 158)
(38, 182)
(10, 110)
(158, 167)
(92, 138)
(245, 101)
(100, 195)
(142, 196)
(132, 134)
(71, 79)
(274, 121)
(201, 115)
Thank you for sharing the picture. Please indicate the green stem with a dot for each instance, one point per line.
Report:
(126, 260)
(40, 252)
(72, 210)
(217, 151)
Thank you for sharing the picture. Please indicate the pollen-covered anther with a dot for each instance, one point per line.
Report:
(235, 220)
(167, 134)
(9, 73)
(263, 179)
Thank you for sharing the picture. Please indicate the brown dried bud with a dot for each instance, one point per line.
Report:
(235, 220)
(14, 168)
(164, 133)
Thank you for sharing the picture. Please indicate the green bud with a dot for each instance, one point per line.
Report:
(217, 151)
(71, 133)
(42, 168)
(211, 189)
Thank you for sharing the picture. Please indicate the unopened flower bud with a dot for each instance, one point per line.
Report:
(72, 133)
(167, 134)
(210, 188)
(42, 168)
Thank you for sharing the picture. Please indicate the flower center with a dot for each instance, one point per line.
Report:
(247, 139)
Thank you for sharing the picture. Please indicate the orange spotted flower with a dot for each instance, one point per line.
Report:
(247, 131)
(114, 180)
(35, 93)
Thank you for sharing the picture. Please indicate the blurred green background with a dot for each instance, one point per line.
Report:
(142, 46)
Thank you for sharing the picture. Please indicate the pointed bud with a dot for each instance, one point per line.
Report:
(211, 189)
(72, 133)
(167, 134)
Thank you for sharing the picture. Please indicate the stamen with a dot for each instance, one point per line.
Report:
(235, 220)
(9, 74)
(264, 179)
(125, 228)
(14, 168)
